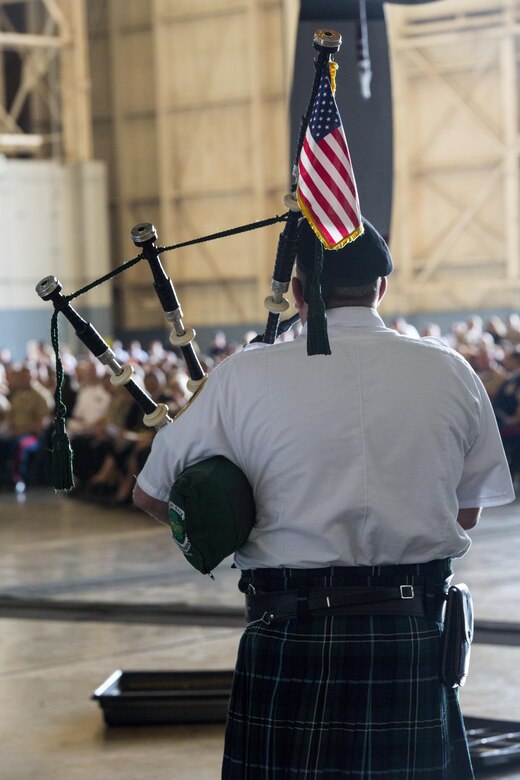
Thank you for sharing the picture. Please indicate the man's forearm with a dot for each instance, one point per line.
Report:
(152, 506)
(468, 518)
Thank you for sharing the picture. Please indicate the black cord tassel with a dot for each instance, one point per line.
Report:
(317, 335)
(62, 455)
(62, 458)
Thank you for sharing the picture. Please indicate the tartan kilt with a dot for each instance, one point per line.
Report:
(344, 696)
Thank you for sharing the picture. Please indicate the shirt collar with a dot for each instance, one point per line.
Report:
(354, 317)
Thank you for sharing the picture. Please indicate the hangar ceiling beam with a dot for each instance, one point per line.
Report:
(45, 100)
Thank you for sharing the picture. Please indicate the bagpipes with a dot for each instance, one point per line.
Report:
(323, 190)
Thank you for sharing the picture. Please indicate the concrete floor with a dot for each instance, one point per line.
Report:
(62, 549)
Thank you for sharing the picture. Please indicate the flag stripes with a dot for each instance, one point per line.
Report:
(326, 185)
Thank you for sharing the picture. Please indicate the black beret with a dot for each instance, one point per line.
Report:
(359, 262)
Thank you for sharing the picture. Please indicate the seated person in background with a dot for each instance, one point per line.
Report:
(111, 441)
(486, 362)
(218, 347)
(403, 327)
(155, 383)
(430, 330)
(101, 455)
(156, 353)
(5, 408)
(90, 407)
(513, 329)
(506, 404)
(92, 398)
(136, 354)
(496, 329)
(27, 418)
(473, 332)
(177, 387)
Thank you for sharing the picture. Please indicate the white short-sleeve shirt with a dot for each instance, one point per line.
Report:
(362, 457)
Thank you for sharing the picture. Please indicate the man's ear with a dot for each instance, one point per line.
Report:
(297, 290)
(382, 288)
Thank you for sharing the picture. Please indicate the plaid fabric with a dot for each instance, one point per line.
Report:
(344, 696)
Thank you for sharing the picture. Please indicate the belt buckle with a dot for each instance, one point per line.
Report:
(406, 591)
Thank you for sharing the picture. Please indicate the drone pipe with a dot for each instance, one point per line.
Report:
(144, 237)
(155, 415)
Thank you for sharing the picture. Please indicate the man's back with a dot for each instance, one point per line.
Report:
(356, 458)
(363, 457)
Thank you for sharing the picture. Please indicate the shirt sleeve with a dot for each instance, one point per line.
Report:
(486, 479)
(199, 431)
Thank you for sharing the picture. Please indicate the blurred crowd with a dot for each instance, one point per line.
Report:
(105, 425)
(109, 440)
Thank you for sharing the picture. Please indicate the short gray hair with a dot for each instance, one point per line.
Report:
(365, 295)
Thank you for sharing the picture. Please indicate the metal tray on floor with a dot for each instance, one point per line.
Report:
(493, 744)
(151, 698)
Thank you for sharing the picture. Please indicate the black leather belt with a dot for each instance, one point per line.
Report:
(317, 602)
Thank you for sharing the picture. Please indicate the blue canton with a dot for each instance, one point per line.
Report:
(325, 117)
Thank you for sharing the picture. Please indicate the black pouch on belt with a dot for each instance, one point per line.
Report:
(457, 636)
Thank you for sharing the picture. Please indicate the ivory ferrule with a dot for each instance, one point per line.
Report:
(277, 307)
(158, 418)
(290, 200)
(122, 377)
(194, 384)
(182, 339)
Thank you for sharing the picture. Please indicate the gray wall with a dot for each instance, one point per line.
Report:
(53, 221)
(20, 326)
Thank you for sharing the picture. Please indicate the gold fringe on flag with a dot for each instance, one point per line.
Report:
(333, 66)
(352, 237)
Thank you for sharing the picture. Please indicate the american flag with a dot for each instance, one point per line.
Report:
(326, 190)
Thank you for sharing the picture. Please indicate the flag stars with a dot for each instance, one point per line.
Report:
(324, 116)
